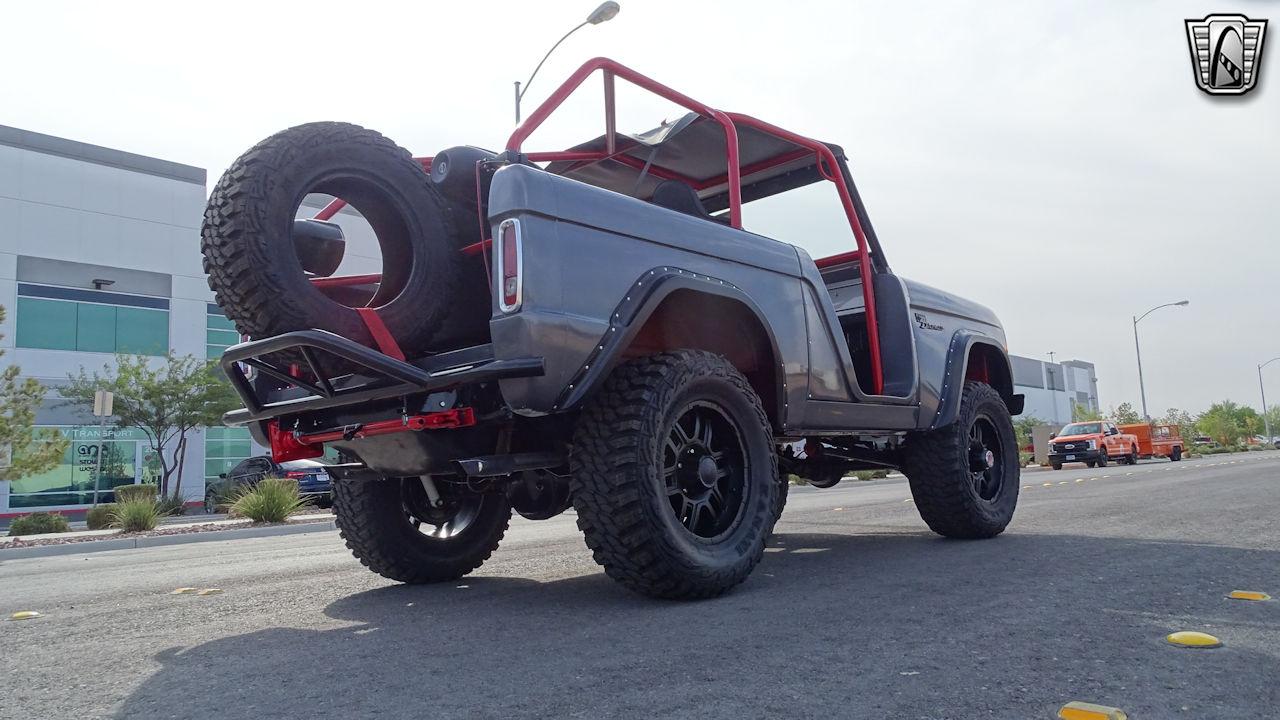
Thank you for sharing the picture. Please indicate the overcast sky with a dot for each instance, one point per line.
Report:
(1052, 160)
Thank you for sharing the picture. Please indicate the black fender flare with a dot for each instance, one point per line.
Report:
(625, 321)
(957, 369)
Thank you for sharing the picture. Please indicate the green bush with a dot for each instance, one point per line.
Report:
(171, 505)
(135, 515)
(871, 474)
(99, 518)
(271, 500)
(146, 491)
(38, 524)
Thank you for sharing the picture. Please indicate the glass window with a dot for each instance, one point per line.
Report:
(71, 482)
(224, 448)
(220, 333)
(46, 324)
(51, 324)
(142, 332)
(95, 327)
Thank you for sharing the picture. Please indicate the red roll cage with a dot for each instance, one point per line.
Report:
(824, 159)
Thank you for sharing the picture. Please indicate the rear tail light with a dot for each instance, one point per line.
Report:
(296, 474)
(510, 263)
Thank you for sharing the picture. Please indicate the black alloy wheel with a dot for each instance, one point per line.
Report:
(986, 465)
(704, 470)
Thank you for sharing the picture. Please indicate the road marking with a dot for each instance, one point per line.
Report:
(1248, 595)
(1048, 485)
(1088, 711)
(907, 500)
(210, 591)
(1193, 639)
(183, 591)
(1079, 479)
(1062, 482)
(25, 615)
(1027, 487)
(1105, 476)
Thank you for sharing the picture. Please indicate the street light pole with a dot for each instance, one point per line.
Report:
(1265, 419)
(604, 13)
(1142, 387)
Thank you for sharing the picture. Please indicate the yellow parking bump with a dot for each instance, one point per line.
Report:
(1027, 487)
(1048, 485)
(1248, 595)
(183, 591)
(1079, 479)
(1193, 639)
(1062, 482)
(210, 591)
(25, 615)
(1089, 711)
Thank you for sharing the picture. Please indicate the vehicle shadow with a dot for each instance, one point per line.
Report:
(890, 625)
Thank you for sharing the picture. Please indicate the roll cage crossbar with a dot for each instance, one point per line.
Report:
(825, 160)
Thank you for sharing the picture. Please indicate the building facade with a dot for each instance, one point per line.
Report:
(99, 255)
(1051, 389)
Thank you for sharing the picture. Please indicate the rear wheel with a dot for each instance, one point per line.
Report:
(1133, 456)
(1091, 463)
(964, 477)
(675, 476)
(406, 530)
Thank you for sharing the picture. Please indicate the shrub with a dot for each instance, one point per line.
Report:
(125, 493)
(171, 505)
(871, 474)
(38, 524)
(99, 518)
(271, 500)
(135, 515)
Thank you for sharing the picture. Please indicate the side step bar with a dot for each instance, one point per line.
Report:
(390, 377)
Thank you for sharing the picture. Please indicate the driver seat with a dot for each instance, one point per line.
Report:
(678, 196)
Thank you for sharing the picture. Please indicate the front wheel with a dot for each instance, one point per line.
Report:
(1176, 455)
(1102, 458)
(419, 530)
(675, 475)
(964, 477)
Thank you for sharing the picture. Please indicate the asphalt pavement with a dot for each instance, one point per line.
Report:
(856, 611)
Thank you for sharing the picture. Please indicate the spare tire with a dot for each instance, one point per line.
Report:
(248, 249)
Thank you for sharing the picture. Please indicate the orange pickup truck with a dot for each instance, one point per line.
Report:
(1156, 440)
(1093, 443)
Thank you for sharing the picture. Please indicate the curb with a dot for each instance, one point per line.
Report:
(92, 546)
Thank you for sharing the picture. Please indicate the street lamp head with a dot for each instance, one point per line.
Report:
(1183, 303)
(606, 12)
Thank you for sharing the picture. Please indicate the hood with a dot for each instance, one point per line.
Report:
(1078, 438)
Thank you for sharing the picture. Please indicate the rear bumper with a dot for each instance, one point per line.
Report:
(381, 376)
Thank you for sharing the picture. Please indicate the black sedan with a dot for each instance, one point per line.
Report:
(313, 480)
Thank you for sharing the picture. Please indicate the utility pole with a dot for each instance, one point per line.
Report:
(1142, 387)
(1262, 388)
(102, 406)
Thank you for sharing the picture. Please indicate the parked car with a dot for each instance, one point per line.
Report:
(1093, 443)
(595, 328)
(1156, 440)
(313, 480)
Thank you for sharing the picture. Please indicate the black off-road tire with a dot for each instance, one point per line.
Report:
(1056, 466)
(247, 235)
(938, 468)
(625, 510)
(1175, 455)
(1133, 456)
(371, 518)
(1103, 457)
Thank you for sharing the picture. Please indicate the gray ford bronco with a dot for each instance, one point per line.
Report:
(594, 328)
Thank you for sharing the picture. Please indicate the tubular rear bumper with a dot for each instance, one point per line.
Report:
(380, 376)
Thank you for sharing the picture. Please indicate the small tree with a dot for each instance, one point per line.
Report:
(1082, 413)
(1229, 422)
(1183, 419)
(24, 450)
(164, 402)
(1125, 414)
(1023, 427)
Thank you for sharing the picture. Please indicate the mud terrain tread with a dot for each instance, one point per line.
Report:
(361, 513)
(615, 438)
(934, 466)
(246, 280)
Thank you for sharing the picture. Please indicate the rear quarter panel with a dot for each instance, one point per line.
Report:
(586, 249)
